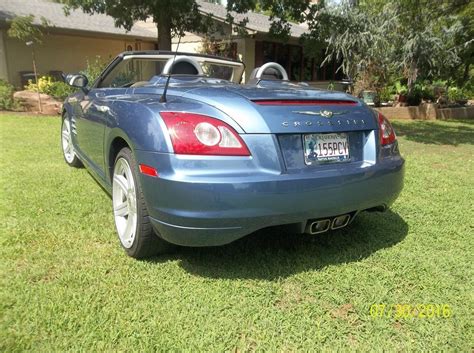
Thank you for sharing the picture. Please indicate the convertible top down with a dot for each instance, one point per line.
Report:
(192, 157)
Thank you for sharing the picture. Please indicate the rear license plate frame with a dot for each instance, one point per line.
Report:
(310, 148)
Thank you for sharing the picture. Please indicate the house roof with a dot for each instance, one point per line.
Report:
(77, 21)
(256, 21)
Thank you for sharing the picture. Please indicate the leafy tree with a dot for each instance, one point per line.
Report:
(173, 17)
(363, 44)
(24, 29)
(281, 12)
(462, 12)
(378, 39)
(426, 40)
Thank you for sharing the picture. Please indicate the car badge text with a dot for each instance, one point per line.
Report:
(324, 122)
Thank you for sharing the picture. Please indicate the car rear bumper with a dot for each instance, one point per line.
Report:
(208, 210)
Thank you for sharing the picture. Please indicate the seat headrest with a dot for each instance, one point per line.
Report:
(182, 65)
(269, 71)
(272, 74)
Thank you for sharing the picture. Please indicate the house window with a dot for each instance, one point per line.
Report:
(298, 66)
(221, 48)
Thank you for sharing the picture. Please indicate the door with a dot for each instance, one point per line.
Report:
(96, 107)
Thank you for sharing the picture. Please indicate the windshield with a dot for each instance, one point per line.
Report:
(138, 70)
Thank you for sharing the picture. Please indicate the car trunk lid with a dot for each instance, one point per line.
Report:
(280, 111)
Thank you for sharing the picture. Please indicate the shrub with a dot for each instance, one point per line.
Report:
(43, 84)
(7, 102)
(47, 85)
(456, 94)
(400, 88)
(94, 69)
(428, 92)
(6, 95)
(61, 90)
(386, 94)
(414, 96)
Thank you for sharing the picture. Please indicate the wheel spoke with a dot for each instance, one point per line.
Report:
(121, 210)
(129, 232)
(66, 135)
(121, 183)
(133, 207)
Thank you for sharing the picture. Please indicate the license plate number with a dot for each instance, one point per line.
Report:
(333, 147)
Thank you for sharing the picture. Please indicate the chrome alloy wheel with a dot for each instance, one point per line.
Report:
(66, 139)
(124, 201)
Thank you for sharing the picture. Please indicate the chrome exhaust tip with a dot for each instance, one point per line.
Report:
(340, 221)
(319, 226)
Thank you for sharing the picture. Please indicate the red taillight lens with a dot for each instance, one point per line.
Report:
(199, 134)
(386, 131)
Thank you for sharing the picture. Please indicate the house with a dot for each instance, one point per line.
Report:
(69, 42)
(72, 40)
(257, 47)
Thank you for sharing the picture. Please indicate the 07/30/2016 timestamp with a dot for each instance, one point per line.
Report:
(406, 311)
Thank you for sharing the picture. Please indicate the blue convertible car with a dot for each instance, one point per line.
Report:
(192, 157)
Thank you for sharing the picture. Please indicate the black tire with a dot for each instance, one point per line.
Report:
(145, 242)
(69, 155)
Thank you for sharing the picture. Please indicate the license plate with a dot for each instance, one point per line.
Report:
(326, 148)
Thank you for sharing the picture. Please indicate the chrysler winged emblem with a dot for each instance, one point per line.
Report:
(324, 113)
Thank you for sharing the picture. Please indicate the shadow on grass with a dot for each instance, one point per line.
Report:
(438, 134)
(275, 253)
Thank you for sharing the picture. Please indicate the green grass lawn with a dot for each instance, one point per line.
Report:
(67, 285)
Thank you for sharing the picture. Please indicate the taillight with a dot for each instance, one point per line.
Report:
(199, 134)
(386, 131)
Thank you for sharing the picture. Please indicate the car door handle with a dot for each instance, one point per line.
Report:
(99, 94)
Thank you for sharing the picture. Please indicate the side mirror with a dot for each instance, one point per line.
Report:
(76, 80)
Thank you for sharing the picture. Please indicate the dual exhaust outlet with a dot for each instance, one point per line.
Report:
(323, 225)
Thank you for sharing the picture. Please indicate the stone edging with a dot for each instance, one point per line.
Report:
(427, 112)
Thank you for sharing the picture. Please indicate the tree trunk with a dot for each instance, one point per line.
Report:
(40, 105)
(164, 31)
(465, 76)
(412, 75)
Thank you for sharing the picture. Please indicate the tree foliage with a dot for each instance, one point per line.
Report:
(281, 12)
(378, 39)
(173, 17)
(24, 29)
(359, 42)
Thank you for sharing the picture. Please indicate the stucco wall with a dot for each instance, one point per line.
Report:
(67, 53)
(3, 57)
(188, 47)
